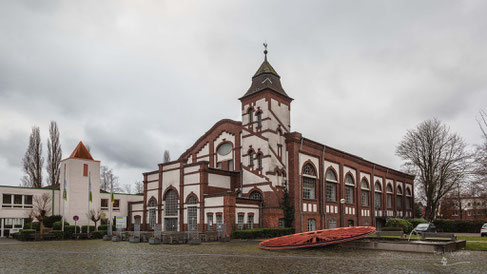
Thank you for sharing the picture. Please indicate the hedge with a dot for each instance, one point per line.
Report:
(58, 225)
(105, 227)
(84, 229)
(464, 226)
(69, 230)
(415, 222)
(24, 234)
(261, 233)
(99, 234)
(57, 233)
(407, 227)
(392, 229)
(50, 220)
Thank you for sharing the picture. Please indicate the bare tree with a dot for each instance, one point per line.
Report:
(54, 154)
(480, 182)
(438, 158)
(33, 160)
(127, 188)
(41, 206)
(95, 216)
(167, 157)
(139, 187)
(107, 179)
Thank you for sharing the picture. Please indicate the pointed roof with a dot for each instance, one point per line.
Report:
(81, 152)
(266, 77)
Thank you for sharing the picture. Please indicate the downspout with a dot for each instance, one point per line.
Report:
(372, 188)
(385, 191)
(300, 187)
(323, 187)
(53, 198)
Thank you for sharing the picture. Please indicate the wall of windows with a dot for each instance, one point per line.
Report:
(378, 195)
(331, 186)
(364, 194)
(192, 214)
(16, 201)
(309, 182)
(349, 189)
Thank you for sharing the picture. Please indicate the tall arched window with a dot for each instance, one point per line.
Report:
(192, 214)
(309, 182)
(349, 189)
(259, 119)
(251, 158)
(364, 194)
(259, 161)
(409, 198)
(255, 195)
(378, 195)
(152, 212)
(171, 203)
(331, 186)
(389, 193)
(399, 198)
(251, 115)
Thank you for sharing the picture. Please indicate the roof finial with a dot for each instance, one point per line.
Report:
(265, 50)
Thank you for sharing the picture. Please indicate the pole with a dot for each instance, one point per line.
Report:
(89, 183)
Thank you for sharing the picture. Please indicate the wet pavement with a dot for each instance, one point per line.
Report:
(97, 256)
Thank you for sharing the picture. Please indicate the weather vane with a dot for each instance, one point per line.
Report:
(265, 49)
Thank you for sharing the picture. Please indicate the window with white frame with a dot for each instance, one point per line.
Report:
(192, 214)
(349, 189)
(210, 221)
(171, 206)
(389, 195)
(399, 198)
(219, 222)
(377, 195)
(16, 201)
(255, 195)
(259, 119)
(259, 161)
(240, 221)
(409, 198)
(309, 182)
(251, 158)
(364, 192)
(311, 224)
(250, 221)
(332, 223)
(251, 116)
(331, 186)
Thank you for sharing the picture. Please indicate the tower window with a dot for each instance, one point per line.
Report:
(259, 119)
(251, 116)
(251, 158)
(259, 161)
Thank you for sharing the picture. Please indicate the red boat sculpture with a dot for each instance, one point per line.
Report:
(318, 237)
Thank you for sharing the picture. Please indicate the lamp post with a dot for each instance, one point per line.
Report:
(342, 218)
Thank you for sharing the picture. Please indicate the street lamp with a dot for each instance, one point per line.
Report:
(342, 219)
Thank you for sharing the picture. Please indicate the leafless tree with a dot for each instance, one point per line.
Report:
(167, 157)
(33, 160)
(480, 181)
(139, 187)
(54, 154)
(95, 215)
(127, 188)
(107, 179)
(438, 158)
(41, 206)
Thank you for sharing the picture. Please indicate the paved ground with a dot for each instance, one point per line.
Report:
(235, 257)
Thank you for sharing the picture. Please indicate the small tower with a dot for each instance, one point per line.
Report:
(76, 173)
(266, 110)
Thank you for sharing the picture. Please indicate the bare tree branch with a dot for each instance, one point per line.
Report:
(54, 154)
(167, 157)
(33, 160)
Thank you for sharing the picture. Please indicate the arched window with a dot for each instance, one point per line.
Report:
(251, 158)
(152, 213)
(331, 186)
(259, 161)
(251, 115)
(389, 195)
(378, 195)
(192, 214)
(255, 195)
(224, 149)
(259, 119)
(364, 194)
(171, 203)
(409, 198)
(309, 182)
(349, 189)
(152, 203)
(399, 198)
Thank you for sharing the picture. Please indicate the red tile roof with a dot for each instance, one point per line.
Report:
(81, 152)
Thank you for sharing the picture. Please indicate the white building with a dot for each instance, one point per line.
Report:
(78, 169)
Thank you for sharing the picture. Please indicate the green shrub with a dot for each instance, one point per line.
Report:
(392, 228)
(15, 235)
(57, 233)
(261, 233)
(36, 226)
(406, 226)
(58, 225)
(84, 228)
(50, 220)
(105, 227)
(99, 234)
(415, 222)
(69, 230)
(24, 234)
(462, 226)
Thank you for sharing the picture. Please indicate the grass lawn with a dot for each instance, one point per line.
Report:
(484, 239)
(476, 246)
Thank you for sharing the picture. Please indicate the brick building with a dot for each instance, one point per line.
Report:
(234, 176)
(465, 207)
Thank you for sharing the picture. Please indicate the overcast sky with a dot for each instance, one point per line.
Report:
(131, 80)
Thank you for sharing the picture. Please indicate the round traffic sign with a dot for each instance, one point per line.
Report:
(75, 218)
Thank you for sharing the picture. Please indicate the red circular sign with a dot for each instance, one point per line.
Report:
(75, 218)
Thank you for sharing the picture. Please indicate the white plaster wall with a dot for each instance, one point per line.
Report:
(283, 114)
(124, 199)
(24, 212)
(152, 177)
(224, 137)
(193, 188)
(347, 169)
(192, 178)
(304, 157)
(214, 201)
(171, 166)
(152, 193)
(263, 188)
(219, 181)
(389, 181)
(250, 178)
(170, 178)
(214, 211)
(204, 151)
(191, 169)
(335, 166)
(367, 177)
(244, 208)
(152, 185)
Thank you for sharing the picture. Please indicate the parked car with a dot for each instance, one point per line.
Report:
(483, 230)
(425, 227)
